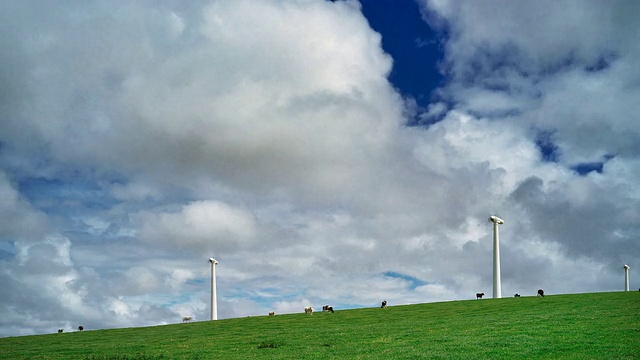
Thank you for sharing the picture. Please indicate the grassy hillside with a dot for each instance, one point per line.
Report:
(582, 326)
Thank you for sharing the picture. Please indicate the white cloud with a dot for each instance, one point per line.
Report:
(201, 225)
(509, 56)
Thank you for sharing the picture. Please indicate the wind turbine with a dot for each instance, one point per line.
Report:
(626, 277)
(214, 303)
(497, 288)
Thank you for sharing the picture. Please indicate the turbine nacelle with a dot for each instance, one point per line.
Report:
(626, 267)
(213, 261)
(496, 220)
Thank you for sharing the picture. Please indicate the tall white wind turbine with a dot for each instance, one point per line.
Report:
(214, 302)
(626, 277)
(497, 287)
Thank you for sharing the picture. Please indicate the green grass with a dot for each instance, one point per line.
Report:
(579, 326)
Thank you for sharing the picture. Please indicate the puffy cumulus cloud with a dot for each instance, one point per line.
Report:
(135, 281)
(198, 226)
(560, 66)
(37, 273)
(597, 111)
(504, 36)
(40, 282)
(582, 214)
(461, 141)
(259, 96)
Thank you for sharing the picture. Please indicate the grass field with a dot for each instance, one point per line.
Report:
(579, 326)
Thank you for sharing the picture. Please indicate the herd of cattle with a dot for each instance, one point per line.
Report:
(80, 328)
(309, 309)
(326, 308)
(540, 293)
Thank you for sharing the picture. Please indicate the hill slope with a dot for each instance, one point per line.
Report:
(579, 326)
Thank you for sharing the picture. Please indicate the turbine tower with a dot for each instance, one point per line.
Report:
(497, 289)
(626, 277)
(214, 302)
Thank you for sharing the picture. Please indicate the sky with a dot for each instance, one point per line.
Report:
(324, 152)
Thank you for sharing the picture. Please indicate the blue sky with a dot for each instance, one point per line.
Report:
(324, 152)
(416, 48)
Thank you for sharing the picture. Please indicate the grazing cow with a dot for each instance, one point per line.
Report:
(308, 310)
(327, 308)
(384, 304)
(60, 330)
(541, 292)
(516, 295)
(272, 313)
(479, 295)
(186, 319)
(80, 328)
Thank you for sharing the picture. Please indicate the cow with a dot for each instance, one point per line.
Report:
(308, 310)
(479, 295)
(384, 304)
(540, 292)
(327, 308)
(60, 330)
(272, 313)
(516, 295)
(186, 319)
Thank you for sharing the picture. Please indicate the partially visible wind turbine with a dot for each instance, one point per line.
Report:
(214, 302)
(626, 277)
(497, 287)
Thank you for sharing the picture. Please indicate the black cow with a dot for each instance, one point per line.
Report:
(327, 308)
(540, 292)
(479, 296)
(384, 304)
(516, 295)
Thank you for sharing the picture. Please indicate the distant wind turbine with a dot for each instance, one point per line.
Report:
(626, 277)
(214, 302)
(497, 287)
